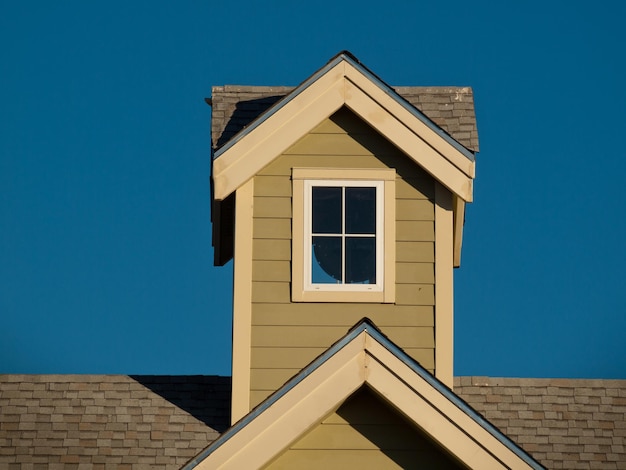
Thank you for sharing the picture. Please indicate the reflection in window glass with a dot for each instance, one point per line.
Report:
(326, 209)
(361, 210)
(343, 234)
(360, 260)
(326, 262)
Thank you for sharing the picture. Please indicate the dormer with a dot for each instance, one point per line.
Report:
(339, 199)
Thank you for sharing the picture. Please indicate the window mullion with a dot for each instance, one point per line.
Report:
(343, 235)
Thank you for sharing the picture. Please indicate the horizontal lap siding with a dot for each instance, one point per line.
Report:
(363, 433)
(287, 336)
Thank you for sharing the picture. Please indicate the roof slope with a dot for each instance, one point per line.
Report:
(563, 423)
(98, 419)
(138, 421)
(451, 108)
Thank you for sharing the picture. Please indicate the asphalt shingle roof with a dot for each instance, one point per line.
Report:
(117, 421)
(562, 423)
(63, 421)
(451, 108)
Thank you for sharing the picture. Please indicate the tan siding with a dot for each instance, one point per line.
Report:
(419, 252)
(271, 250)
(268, 207)
(364, 433)
(311, 337)
(270, 292)
(422, 273)
(273, 228)
(345, 315)
(272, 186)
(415, 230)
(271, 271)
(280, 327)
(415, 209)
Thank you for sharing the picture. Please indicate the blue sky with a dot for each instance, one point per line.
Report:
(105, 237)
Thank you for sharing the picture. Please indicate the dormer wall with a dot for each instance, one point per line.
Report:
(275, 336)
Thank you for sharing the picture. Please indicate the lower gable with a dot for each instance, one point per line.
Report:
(364, 432)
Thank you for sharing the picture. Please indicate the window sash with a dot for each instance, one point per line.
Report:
(378, 236)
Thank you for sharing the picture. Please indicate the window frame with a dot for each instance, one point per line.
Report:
(303, 290)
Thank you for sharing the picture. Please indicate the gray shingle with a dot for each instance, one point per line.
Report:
(139, 421)
(451, 108)
(563, 423)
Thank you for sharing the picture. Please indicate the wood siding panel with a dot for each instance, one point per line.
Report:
(270, 292)
(272, 271)
(271, 250)
(290, 358)
(415, 230)
(416, 188)
(272, 207)
(324, 336)
(286, 335)
(268, 186)
(346, 315)
(415, 294)
(423, 273)
(419, 252)
(415, 209)
(272, 228)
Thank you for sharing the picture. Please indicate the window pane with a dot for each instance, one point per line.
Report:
(326, 209)
(326, 260)
(361, 260)
(361, 210)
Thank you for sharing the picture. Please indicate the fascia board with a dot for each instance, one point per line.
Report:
(274, 134)
(263, 436)
(410, 143)
(439, 413)
(428, 418)
(449, 148)
(459, 222)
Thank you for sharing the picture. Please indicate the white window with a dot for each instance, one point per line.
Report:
(343, 247)
(343, 235)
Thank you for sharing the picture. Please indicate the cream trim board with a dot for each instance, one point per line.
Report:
(242, 301)
(418, 127)
(459, 222)
(248, 156)
(293, 415)
(266, 141)
(410, 143)
(385, 181)
(362, 358)
(444, 289)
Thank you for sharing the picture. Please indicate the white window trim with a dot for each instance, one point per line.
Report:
(302, 288)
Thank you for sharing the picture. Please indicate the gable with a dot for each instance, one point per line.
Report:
(343, 81)
(362, 357)
(365, 433)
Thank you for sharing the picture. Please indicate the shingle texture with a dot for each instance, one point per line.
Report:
(562, 423)
(112, 421)
(119, 421)
(451, 108)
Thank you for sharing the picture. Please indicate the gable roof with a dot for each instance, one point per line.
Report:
(451, 108)
(343, 81)
(363, 357)
(562, 423)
